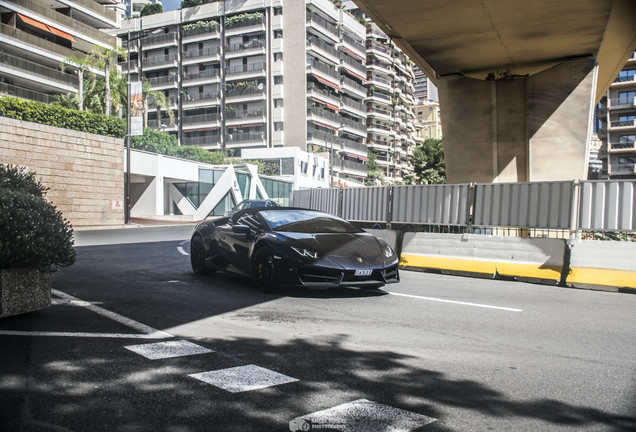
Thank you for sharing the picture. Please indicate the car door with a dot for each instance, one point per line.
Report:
(243, 243)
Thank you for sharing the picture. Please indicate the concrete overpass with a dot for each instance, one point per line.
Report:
(517, 79)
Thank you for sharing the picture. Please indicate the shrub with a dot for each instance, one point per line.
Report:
(55, 115)
(33, 233)
(151, 9)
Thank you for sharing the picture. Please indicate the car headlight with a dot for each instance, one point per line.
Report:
(306, 253)
(388, 252)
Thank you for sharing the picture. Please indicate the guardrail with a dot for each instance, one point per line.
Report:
(569, 206)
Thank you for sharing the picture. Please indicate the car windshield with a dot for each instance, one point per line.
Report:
(307, 221)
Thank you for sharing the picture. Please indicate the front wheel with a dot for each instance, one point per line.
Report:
(264, 270)
(197, 256)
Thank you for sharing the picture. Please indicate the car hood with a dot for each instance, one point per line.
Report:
(343, 250)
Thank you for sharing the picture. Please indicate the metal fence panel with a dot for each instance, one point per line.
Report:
(431, 204)
(365, 204)
(524, 205)
(300, 198)
(607, 205)
(326, 200)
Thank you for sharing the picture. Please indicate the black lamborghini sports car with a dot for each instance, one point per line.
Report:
(293, 247)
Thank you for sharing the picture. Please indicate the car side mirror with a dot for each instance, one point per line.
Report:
(242, 229)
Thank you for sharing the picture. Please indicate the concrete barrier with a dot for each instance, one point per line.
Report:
(530, 259)
(608, 265)
(389, 236)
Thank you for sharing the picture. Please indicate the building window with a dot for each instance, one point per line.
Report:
(278, 10)
(278, 79)
(278, 34)
(278, 57)
(278, 103)
(278, 126)
(287, 166)
(626, 97)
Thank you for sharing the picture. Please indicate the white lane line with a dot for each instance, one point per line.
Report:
(243, 378)
(159, 335)
(168, 349)
(361, 416)
(182, 251)
(457, 302)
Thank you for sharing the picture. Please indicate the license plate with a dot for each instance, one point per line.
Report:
(363, 273)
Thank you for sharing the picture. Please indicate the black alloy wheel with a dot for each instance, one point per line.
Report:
(264, 270)
(197, 258)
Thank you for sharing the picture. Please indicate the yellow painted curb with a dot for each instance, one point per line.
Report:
(605, 277)
(537, 271)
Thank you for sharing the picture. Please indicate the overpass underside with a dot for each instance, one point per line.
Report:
(517, 80)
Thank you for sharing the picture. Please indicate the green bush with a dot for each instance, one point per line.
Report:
(55, 115)
(33, 233)
(151, 9)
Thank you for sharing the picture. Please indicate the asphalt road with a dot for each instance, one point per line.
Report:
(433, 353)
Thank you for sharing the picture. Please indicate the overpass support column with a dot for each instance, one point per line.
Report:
(516, 129)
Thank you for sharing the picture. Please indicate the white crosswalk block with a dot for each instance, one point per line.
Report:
(243, 378)
(168, 349)
(361, 416)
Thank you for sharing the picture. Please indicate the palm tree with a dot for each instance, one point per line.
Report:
(157, 99)
(82, 65)
(104, 58)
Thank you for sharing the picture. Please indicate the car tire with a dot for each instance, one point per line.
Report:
(264, 270)
(197, 256)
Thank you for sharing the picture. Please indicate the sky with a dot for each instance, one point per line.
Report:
(169, 5)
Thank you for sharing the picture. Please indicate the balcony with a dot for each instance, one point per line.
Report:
(201, 76)
(162, 61)
(208, 141)
(234, 118)
(36, 42)
(622, 125)
(159, 40)
(332, 118)
(33, 71)
(353, 87)
(245, 94)
(249, 25)
(354, 107)
(200, 55)
(358, 168)
(358, 68)
(200, 99)
(240, 139)
(316, 66)
(627, 169)
(352, 125)
(357, 47)
(323, 49)
(323, 94)
(323, 26)
(252, 47)
(356, 147)
(622, 147)
(246, 71)
(201, 33)
(193, 121)
(619, 103)
(321, 138)
(22, 93)
(624, 81)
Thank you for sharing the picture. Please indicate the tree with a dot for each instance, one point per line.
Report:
(428, 162)
(157, 99)
(104, 58)
(150, 9)
(374, 173)
(83, 66)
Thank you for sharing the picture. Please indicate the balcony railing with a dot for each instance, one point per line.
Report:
(623, 169)
(351, 41)
(320, 21)
(380, 95)
(623, 79)
(244, 137)
(249, 91)
(37, 69)
(622, 123)
(66, 21)
(354, 124)
(256, 67)
(157, 81)
(198, 97)
(159, 39)
(354, 166)
(208, 73)
(259, 113)
(323, 68)
(353, 84)
(11, 90)
(316, 135)
(323, 113)
(353, 104)
(159, 60)
(202, 140)
(212, 30)
(206, 52)
(200, 118)
(626, 101)
(35, 41)
(253, 44)
(622, 145)
(350, 144)
(246, 23)
(312, 40)
(355, 65)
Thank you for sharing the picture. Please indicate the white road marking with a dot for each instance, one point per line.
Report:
(147, 331)
(457, 302)
(362, 416)
(168, 349)
(243, 378)
(182, 251)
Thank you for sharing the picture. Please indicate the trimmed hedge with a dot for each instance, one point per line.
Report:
(33, 233)
(55, 115)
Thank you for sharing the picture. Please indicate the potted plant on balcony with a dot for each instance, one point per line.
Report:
(34, 239)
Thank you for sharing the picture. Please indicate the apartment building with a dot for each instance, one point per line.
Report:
(264, 74)
(617, 130)
(37, 35)
(428, 122)
(424, 88)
